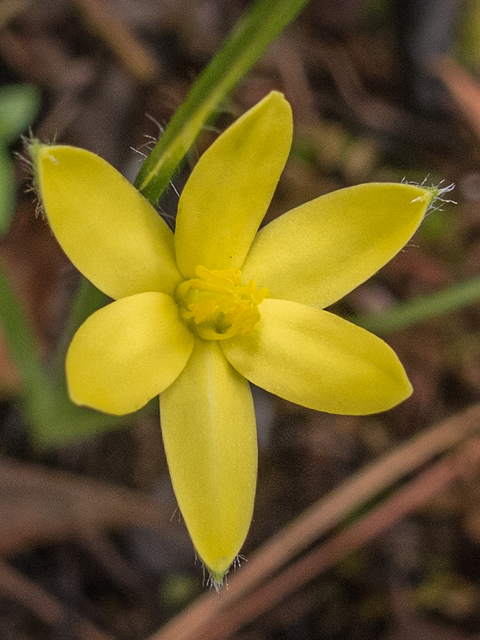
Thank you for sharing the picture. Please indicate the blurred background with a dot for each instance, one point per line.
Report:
(91, 545)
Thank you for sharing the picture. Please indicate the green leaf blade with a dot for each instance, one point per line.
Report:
(241, 51)
(7, 191)
(18, 105)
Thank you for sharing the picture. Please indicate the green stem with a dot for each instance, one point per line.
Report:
(46, 407)
(242, 49)
(38, 393)
(406, 314)
(88, 299)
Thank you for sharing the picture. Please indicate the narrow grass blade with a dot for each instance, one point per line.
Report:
(243, 48)
(406, 314)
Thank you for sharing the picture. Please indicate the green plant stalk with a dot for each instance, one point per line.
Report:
(406, 314)
(38, 394)
(18, 105)
(88, 299)
(45, 405)
(243, 48)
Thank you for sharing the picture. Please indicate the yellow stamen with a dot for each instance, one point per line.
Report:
(216, 306)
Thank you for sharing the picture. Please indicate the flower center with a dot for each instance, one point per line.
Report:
(216, 306)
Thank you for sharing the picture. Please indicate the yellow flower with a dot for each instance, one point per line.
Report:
(201, 313)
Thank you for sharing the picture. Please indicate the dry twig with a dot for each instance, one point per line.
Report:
(102, 18)
(320, 518)
(14, 585)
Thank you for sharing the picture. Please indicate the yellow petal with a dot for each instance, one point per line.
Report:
(208, 428)
(318, 360)
(323, 249)
(106, 228)
(229, 190)
(127, 353)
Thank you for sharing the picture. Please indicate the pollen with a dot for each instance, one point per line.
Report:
(216, 305)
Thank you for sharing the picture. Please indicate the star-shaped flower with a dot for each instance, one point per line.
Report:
(201, 313)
